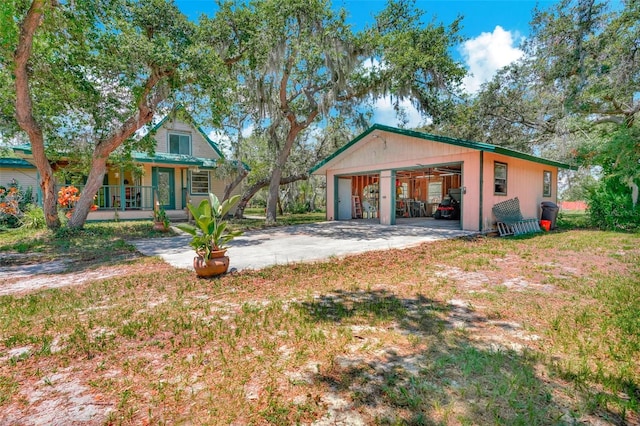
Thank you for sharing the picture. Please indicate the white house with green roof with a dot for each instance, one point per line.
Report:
(19, 172)
(390, 175)
(180, 171)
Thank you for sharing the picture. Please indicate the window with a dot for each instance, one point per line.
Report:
(179, 143)
(546, 184)
(499, 178)
(435, 192)
(200, 182)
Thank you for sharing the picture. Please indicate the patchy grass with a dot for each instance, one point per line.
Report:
(98, 243)
(105, 242)
(536, 330)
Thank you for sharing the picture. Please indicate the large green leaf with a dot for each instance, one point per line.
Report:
(213, 230)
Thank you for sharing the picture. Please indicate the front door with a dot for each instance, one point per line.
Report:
(344, 198)
(164, 182)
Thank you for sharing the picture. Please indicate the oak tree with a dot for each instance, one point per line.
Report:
(88, 75)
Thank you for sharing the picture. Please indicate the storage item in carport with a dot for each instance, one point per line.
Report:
(449, 208)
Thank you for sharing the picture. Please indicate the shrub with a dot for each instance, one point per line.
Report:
(13, 202)
(610, 206)
(33, 217)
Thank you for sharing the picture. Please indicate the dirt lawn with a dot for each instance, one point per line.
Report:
(497, 297)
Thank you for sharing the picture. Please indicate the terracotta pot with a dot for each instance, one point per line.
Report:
(159, 226)
(217, 265)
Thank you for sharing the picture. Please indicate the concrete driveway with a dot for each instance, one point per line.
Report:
(304, 243)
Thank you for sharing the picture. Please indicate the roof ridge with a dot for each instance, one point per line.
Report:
(480, 146)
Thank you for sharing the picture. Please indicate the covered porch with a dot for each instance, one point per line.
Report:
(131, 202)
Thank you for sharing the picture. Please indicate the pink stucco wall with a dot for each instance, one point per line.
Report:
(524, 180)
(471, 197)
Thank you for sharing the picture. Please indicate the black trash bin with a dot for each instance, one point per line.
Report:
(549, 212)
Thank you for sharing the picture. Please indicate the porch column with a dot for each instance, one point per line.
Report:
(387, 197)
(123, 200)
(331, 202)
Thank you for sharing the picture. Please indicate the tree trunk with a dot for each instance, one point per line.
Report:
(148, 100)
(276, 173)
(272, 196)
(94, 182)
(24, 113)
(101, 155)
(253, 190)
(242, 173)
(49, 194)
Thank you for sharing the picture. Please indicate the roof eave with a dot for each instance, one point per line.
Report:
(16, 163)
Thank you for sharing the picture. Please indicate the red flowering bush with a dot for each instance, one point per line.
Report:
(13, 202)
(68, 196)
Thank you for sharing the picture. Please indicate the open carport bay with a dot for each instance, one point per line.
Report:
(417, 194)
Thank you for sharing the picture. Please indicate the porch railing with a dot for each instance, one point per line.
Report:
(122, 197)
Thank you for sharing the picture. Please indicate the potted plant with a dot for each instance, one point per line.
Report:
(160, 220)
(211, 234)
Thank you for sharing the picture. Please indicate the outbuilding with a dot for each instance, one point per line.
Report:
(389, 174)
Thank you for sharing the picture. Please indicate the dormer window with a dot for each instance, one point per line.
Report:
(180, 143)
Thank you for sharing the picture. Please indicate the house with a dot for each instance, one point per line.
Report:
(390, 174)
(19, 171)
(180, 171)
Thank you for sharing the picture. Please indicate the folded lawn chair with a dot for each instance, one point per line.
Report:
(510, 220)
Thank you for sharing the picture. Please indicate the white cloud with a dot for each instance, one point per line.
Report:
(248, 130)
(384, 113)
(486, 54)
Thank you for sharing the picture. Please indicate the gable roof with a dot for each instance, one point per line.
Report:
(480, 146)
(182, 110)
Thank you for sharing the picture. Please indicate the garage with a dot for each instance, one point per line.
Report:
(418, 194)
(393, 176)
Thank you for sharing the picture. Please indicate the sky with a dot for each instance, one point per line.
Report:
(494, 30)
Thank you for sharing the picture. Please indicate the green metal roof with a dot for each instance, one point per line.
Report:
(480, 146)
(142, 157)
(177, 159)
(25, 148)
(16, 163)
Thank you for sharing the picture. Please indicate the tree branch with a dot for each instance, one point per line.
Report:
(145, 109)
(263, 183)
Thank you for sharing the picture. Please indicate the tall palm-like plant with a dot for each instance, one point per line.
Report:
(211, 232)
